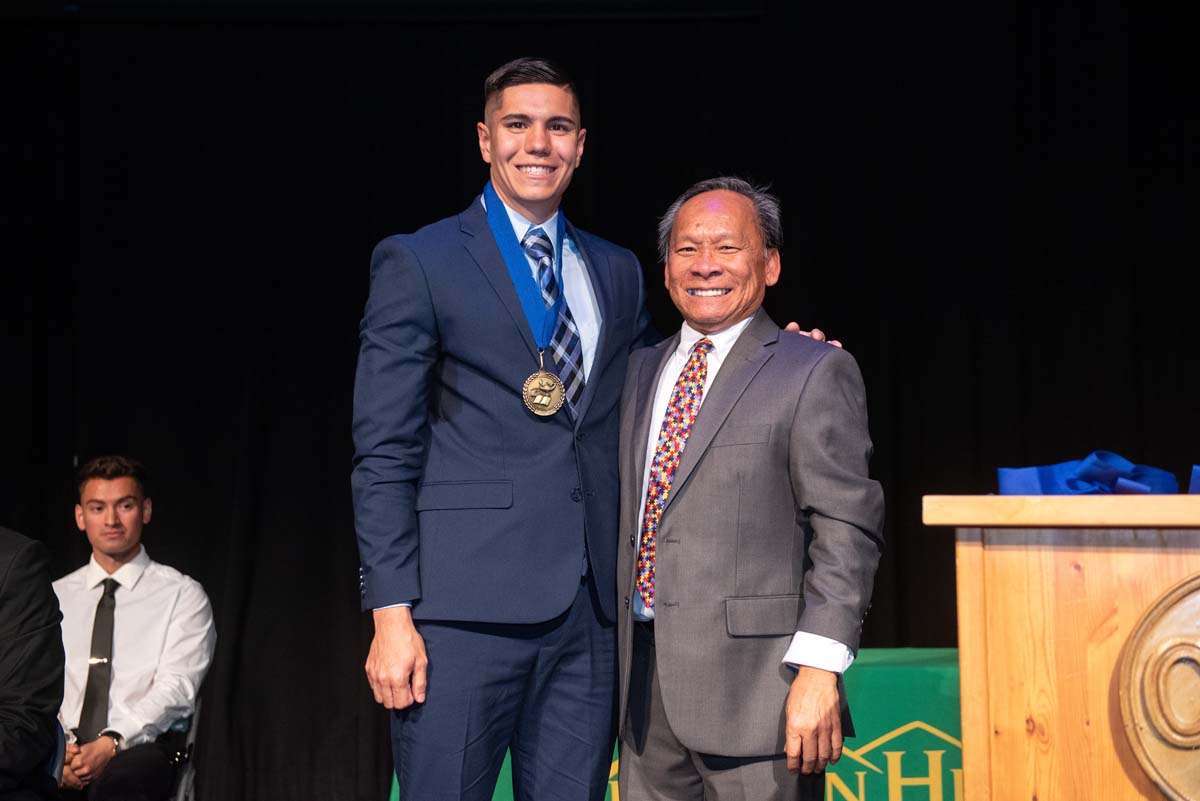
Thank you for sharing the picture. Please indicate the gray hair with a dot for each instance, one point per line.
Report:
(766, 206)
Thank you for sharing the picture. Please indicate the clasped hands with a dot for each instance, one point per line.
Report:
(84, 763)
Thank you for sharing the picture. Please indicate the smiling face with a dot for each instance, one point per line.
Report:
(533, 141)
(717, 269)
(112, 513)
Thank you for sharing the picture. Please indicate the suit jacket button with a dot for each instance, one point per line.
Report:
(631, 542)
(626, 601)
(576, 495)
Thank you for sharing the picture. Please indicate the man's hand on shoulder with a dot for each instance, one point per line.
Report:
(816, 334)
(813, 734)
(396, 663)
(91, 759)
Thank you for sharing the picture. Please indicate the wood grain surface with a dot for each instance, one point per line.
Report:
(1059, 511)
(1043, 617)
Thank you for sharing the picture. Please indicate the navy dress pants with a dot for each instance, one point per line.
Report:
(544, 691)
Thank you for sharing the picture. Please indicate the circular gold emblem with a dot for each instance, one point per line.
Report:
(543, 393)
(1160, 691)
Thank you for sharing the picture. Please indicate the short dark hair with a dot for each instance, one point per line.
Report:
(766, 206)
(525, 70)
(111, 467)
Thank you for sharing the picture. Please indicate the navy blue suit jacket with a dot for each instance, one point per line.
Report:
(465, 502)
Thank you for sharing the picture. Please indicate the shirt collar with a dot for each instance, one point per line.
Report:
(722, 340)
(127, 575)
(521, 225)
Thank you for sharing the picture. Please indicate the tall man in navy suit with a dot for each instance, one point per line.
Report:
(493, 348)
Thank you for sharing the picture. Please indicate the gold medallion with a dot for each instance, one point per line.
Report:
(543, 392)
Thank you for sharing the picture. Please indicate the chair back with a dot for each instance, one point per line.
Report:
(185, 770)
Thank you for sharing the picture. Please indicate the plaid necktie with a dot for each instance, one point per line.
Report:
(566, 349)
(676, 426)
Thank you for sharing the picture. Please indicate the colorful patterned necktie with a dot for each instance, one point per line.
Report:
(676, 426)
(566, 349)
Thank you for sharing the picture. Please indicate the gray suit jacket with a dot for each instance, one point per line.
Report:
(772, 526)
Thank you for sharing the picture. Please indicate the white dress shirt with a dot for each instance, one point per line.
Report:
(163, 641)
(806, 648)
(576, 286)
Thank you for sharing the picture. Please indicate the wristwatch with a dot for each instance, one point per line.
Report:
(117, 739)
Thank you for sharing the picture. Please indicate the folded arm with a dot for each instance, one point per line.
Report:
(186, 655)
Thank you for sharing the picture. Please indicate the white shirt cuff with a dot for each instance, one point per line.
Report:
(813, 650)
(393, 606)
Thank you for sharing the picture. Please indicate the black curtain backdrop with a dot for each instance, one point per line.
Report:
(992, 205)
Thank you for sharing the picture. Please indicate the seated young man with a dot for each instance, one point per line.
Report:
(138, 637)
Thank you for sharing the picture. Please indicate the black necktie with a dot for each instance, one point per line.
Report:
(94, 716)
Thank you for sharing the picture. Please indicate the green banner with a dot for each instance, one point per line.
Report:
(906, 712)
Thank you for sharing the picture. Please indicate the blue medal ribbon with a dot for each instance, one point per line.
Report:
(541, 320)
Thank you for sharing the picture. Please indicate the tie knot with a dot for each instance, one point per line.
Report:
(538, 245)
(703, 346)
(110, 587)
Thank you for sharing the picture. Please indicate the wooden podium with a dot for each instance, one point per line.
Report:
(1050, 588)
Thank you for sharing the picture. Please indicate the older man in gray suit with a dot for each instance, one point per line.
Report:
(750, 529)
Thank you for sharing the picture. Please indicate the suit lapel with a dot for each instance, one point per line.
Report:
(598, 276)
(747, 356)
(483, 249)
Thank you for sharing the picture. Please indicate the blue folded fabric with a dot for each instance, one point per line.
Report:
(1101, 472)
(1194, 487)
